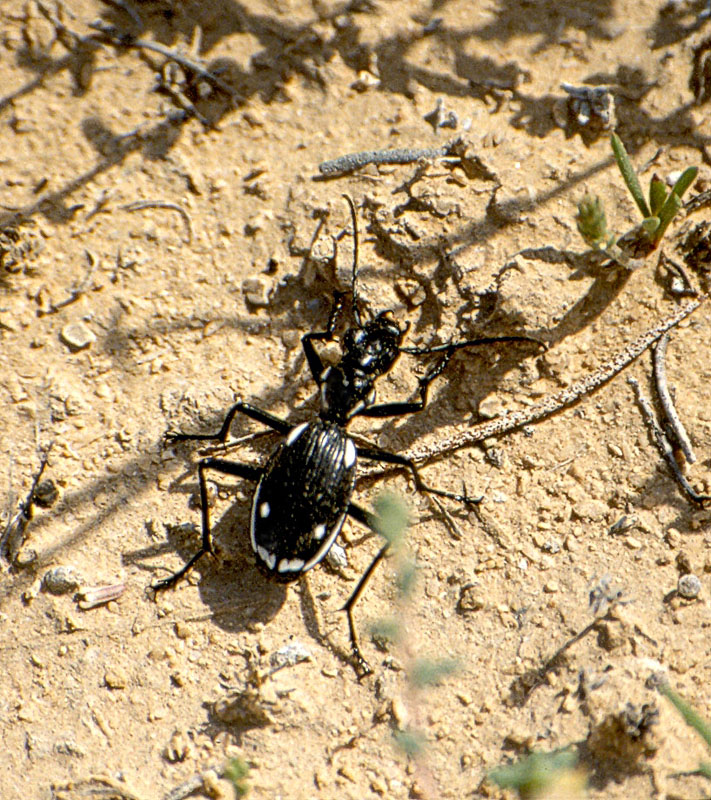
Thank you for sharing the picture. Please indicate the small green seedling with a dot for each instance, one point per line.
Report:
(390, 520)
(236, 773)
(542, 775)
(657, 212)
(691, 717)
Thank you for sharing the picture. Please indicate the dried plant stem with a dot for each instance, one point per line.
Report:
(664, 446)
(402, 155)
(665, 399)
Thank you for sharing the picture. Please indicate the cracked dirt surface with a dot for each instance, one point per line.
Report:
(121, 321)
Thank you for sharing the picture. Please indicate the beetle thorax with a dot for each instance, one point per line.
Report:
(369, 351)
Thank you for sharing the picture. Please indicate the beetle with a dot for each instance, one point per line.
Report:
(304, 489)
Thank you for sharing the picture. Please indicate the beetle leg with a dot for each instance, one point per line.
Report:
(361, 665)
(375, 454)
(246, 471)
(240, 407)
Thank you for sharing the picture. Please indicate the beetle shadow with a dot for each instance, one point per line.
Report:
(230, 585)
(235, 590)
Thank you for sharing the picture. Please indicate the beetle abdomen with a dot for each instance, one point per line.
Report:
(302, 499)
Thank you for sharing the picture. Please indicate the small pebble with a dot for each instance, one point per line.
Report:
(115, 678)
(337, 557)
(688, 586)
(290, 654)
(632, 543)
(61, 580)
(45, 494)
(489, 407)
(77, 336)
(256, 291)
(400, 713)
(365, 80)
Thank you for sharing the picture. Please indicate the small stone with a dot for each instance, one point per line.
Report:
(289, 655)
(551, 587)
(400, 713)
(412, 291)
(489, 407)
(182, 630)
(689, 586)
(673, 538)
(77, 336)
(115, 678)
(632, 543)
(470, 599)
(256, 291)
(61, 580)
(590, 508)
(37, 661)
(336, 557)
(365, 80)
(45, 494)
(218, 788)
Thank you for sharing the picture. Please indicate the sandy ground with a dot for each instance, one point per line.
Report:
(203, 295)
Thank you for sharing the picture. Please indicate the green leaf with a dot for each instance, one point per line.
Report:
(629, 175)
(428, 672)
(391, 518)
(657, 194)
(687, 177)
(533, 774)
(689, 713)
(236, 772)
(667, 214)
(650, 224)
(411, 742)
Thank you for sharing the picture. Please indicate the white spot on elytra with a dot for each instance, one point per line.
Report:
(350, 456)
(319, 532)
(294, 433)
(264, 510)
(268, 558)
(290, 565)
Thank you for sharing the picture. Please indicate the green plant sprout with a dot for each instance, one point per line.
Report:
(541, 776)
(692, 718)
(390, 520)
(657, 212)
(236, 773)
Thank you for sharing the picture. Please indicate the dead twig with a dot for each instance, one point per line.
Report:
(139, 205)
(98, 786)
(401, 155)
(664, 446)
(74, 293)
(13, 537)
(117, 38)
(665, 399)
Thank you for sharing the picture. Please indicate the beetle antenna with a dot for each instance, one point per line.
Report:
(354, 291)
